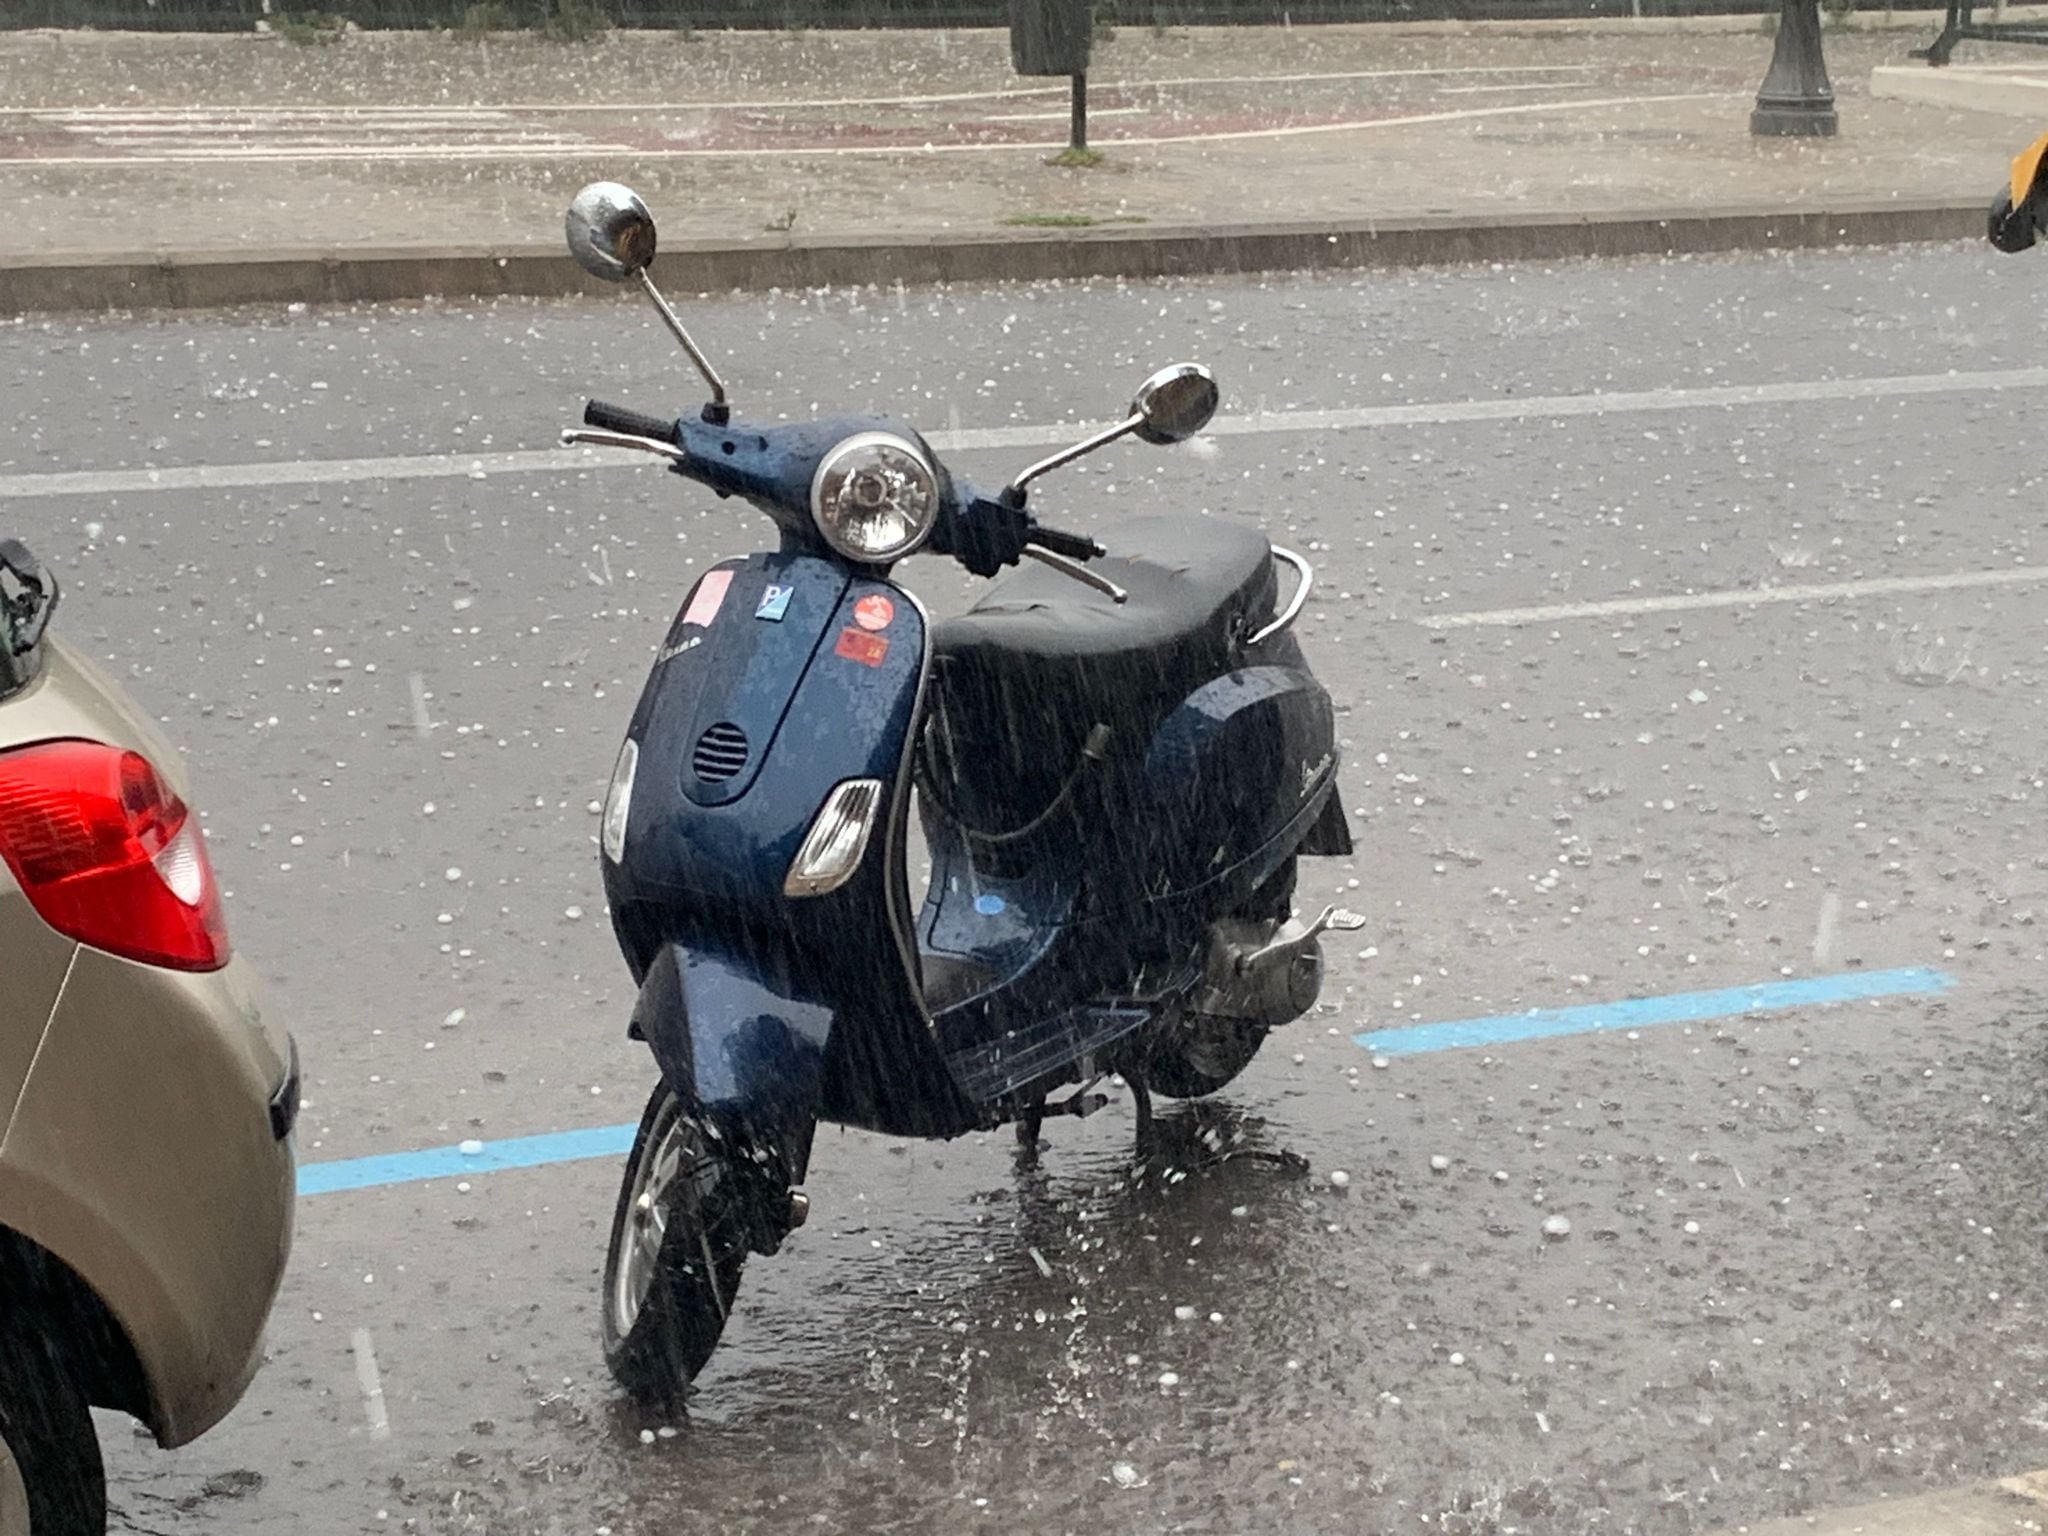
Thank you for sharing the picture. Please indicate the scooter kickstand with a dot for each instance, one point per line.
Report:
(1030, 1127)
(1141, 1103)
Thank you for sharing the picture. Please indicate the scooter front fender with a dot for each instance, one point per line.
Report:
(749, 1058)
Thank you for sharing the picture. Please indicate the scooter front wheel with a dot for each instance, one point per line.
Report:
(673, 1267)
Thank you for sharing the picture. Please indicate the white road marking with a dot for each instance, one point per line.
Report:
(1004, 93)
(1824, 930)
(422, 720)
(224, 477)
(578, 150)
(364, 112)
(1738, 597)
(338, 136)
(1623, 402)
(372, 1385)
(302, 127)
(346, 135)
(443, 466)
(798, 152)
(289, 120)
(295, 133)
(1489, 90)
(1061, 117)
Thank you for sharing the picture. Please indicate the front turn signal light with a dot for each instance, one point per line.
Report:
(838, 837)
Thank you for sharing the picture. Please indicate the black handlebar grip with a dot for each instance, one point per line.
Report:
(616, 418)
(1074, 546)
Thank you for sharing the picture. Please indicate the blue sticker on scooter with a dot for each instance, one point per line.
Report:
(774, 603)
(989, 906)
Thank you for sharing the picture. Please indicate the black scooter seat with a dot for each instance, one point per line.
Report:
(1197, 587)
(1041, 659)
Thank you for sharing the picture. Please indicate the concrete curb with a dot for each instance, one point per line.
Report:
(1925, 16)
(202, 280)
(2014, 90)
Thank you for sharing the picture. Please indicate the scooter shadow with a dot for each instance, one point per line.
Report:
(1190, 1138)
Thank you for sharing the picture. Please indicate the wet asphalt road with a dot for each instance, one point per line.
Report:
(1803, 1267)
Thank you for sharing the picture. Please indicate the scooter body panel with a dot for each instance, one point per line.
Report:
(1072, 938)
(753, 656)
(1228, 787)
(818, 672)
(799, 673)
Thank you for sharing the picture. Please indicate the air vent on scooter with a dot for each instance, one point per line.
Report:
(721, 753)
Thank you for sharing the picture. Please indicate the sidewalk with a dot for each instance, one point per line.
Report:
(2013, 1506)
(255, 167)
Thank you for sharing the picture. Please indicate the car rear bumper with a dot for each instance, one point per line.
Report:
(146, 1153)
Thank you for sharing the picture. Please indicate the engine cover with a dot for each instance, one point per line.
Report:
(1260, 974)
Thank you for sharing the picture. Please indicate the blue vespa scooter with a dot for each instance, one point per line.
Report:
(1116, 767)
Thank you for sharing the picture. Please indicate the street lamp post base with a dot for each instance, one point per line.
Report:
(1814, 120)
(1796, 100)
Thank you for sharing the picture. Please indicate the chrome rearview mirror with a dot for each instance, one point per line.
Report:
(611, 235)
(1175, 403)
(1171, 407)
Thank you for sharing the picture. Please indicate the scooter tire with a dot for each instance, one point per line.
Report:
(1181, 1067)
(682, 1245)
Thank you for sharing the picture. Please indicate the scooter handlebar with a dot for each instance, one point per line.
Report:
(1075, 546)
(988, 534)
(616, 418)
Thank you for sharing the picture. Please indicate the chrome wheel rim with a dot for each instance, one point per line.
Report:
(666, 1158)
(14, 1516)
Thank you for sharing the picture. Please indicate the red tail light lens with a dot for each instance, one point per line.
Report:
(108, 856)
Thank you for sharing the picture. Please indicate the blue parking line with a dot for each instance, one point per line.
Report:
(1648, 1012)
(454, 1163)
(1536, 1024)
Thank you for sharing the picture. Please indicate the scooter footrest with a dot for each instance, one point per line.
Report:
(990, 1069)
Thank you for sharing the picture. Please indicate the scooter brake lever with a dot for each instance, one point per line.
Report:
(1079, 572)
(590, 438)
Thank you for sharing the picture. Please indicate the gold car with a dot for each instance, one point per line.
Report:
(146, 1102)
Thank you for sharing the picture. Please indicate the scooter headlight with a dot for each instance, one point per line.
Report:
(875, 497)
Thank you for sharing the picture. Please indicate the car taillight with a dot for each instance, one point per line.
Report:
(108, 856)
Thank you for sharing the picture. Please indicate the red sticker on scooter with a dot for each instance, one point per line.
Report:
(874, 612)
(858, 645)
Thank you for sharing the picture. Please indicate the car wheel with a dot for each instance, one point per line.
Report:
(51, 1480)
(2012, 230)
(676, 1253)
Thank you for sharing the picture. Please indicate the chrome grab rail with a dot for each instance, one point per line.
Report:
(1293, 609)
